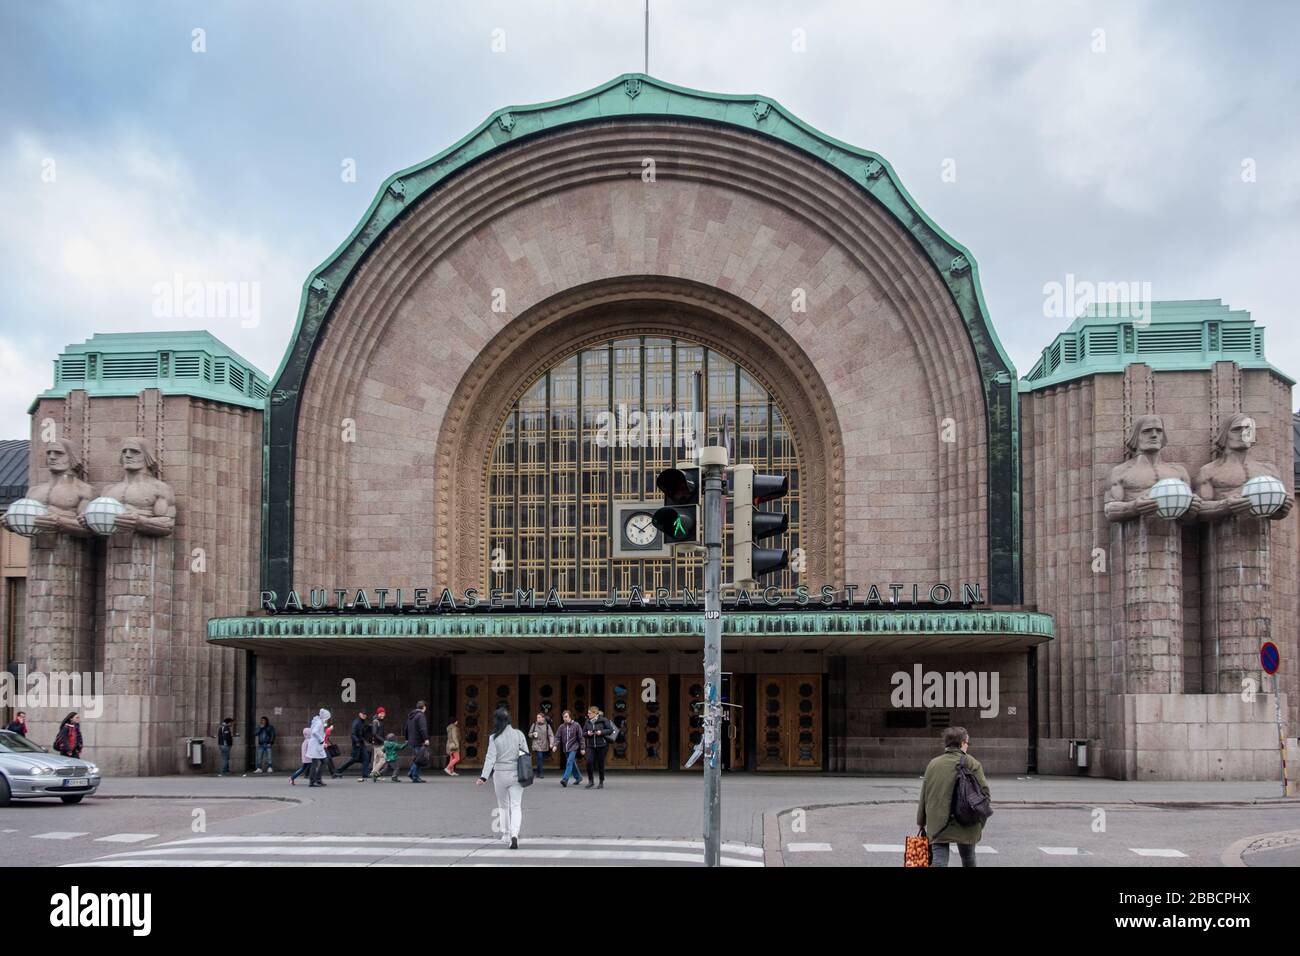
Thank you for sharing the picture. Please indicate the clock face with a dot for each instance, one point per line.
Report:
(639, 529)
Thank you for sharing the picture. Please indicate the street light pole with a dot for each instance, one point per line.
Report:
(713, 462)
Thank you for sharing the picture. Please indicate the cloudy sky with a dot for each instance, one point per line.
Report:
(1101, 140)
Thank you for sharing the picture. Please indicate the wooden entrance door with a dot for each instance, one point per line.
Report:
(691, 723)
(477, 697)
(789, 715)
(638, 706)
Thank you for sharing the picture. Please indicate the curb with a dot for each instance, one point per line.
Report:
(1235, 855)
(772, 855)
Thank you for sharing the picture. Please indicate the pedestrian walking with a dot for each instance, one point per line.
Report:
(390, 749)
(934, 808)
(599, 731)
(379, 764)
(453, 748)
(265, 741)
(316, 746)
(360, 736)
(331, 751)
(18, 725)
(572, 744)
(306, 760)
(68, 741)
(225, 741)
(543, 738)
(417, 735)
(501, 765)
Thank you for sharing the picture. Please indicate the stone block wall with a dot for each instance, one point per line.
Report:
(136, 608)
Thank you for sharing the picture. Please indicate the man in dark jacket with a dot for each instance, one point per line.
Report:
(570, 742)
(361, 736)
(417, 735)
(265, 741)
(225, 741)
(599, 731)
(934, 808)
(18, 725)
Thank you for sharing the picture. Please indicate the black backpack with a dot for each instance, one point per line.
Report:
(970, 804)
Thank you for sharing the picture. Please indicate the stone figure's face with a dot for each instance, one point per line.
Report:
(1152, 436)
(56, 459)
(1242, 435)
(132, 456)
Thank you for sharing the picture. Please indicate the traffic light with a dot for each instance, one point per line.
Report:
(678, 519)
(749, 490)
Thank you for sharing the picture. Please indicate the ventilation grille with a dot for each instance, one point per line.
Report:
(123, 366)
(72, 370)
(1239, 340)
(1054, 357)
(1168, 340)
(1103, 342)
(259, 390)
(235, 376)
(188, 366)
(939, 719)
(1071, 354)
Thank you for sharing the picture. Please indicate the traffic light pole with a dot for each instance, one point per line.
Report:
(713, 462)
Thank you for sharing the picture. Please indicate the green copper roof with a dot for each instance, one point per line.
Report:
(1169, 336)
(288, 627)
(176, 363)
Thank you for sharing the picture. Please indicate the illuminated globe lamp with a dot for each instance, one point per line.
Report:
(1172, 496)
(1265, 493)
(22, 514)
(101, 515)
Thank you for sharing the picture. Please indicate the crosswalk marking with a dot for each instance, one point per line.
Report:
(883, 847)
(1158, 852)
(58, 835)
(1061, 850)
(808, 848)
(330, 850)
(127, 838)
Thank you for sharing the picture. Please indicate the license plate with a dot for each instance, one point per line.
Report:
(76, 783)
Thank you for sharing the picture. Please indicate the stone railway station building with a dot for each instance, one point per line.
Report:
(436, 427)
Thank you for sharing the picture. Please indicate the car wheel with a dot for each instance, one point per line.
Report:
(77, 799)
(4, 791)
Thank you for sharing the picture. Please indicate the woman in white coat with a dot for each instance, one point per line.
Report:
(502, 765)
(316, 746)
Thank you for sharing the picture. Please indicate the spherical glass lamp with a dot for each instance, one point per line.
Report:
(101, 515)
(1173, 497)
(1265, 493)
(22, 514)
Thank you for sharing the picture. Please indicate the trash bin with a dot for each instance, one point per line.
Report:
(196, 751)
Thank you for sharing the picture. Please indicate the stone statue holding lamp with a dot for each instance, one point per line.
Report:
(1145, 484)
(141, 502)
(64, 495)
(1234, 483)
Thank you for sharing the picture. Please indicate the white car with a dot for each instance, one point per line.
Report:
(28, 771)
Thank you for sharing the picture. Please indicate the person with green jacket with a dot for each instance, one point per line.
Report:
(391, 747)
(934, 808)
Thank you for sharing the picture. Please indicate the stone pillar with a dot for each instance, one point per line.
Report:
(60, 604)
(138, 641)
(1146, 607)
(1236, 616)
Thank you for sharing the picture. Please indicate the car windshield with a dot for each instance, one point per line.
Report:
(13, 743)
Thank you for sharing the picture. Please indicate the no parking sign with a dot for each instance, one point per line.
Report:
(1269, 658)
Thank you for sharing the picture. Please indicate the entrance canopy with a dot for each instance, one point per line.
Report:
(835, 632)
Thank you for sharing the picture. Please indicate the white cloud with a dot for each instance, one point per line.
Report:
(122, 216)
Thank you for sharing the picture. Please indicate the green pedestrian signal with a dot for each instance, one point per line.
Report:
(678, 519)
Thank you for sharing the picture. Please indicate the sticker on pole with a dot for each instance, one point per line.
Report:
(1269, 658)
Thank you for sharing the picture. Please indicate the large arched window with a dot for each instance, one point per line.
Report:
(556, 481)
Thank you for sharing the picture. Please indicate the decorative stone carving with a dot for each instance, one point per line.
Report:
(1220, 482)
(1129, 483)
(1236, 565)
(1146, 588)
(65, 494)
(148, 502)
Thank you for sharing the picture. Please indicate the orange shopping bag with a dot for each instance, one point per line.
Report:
(916, 850)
